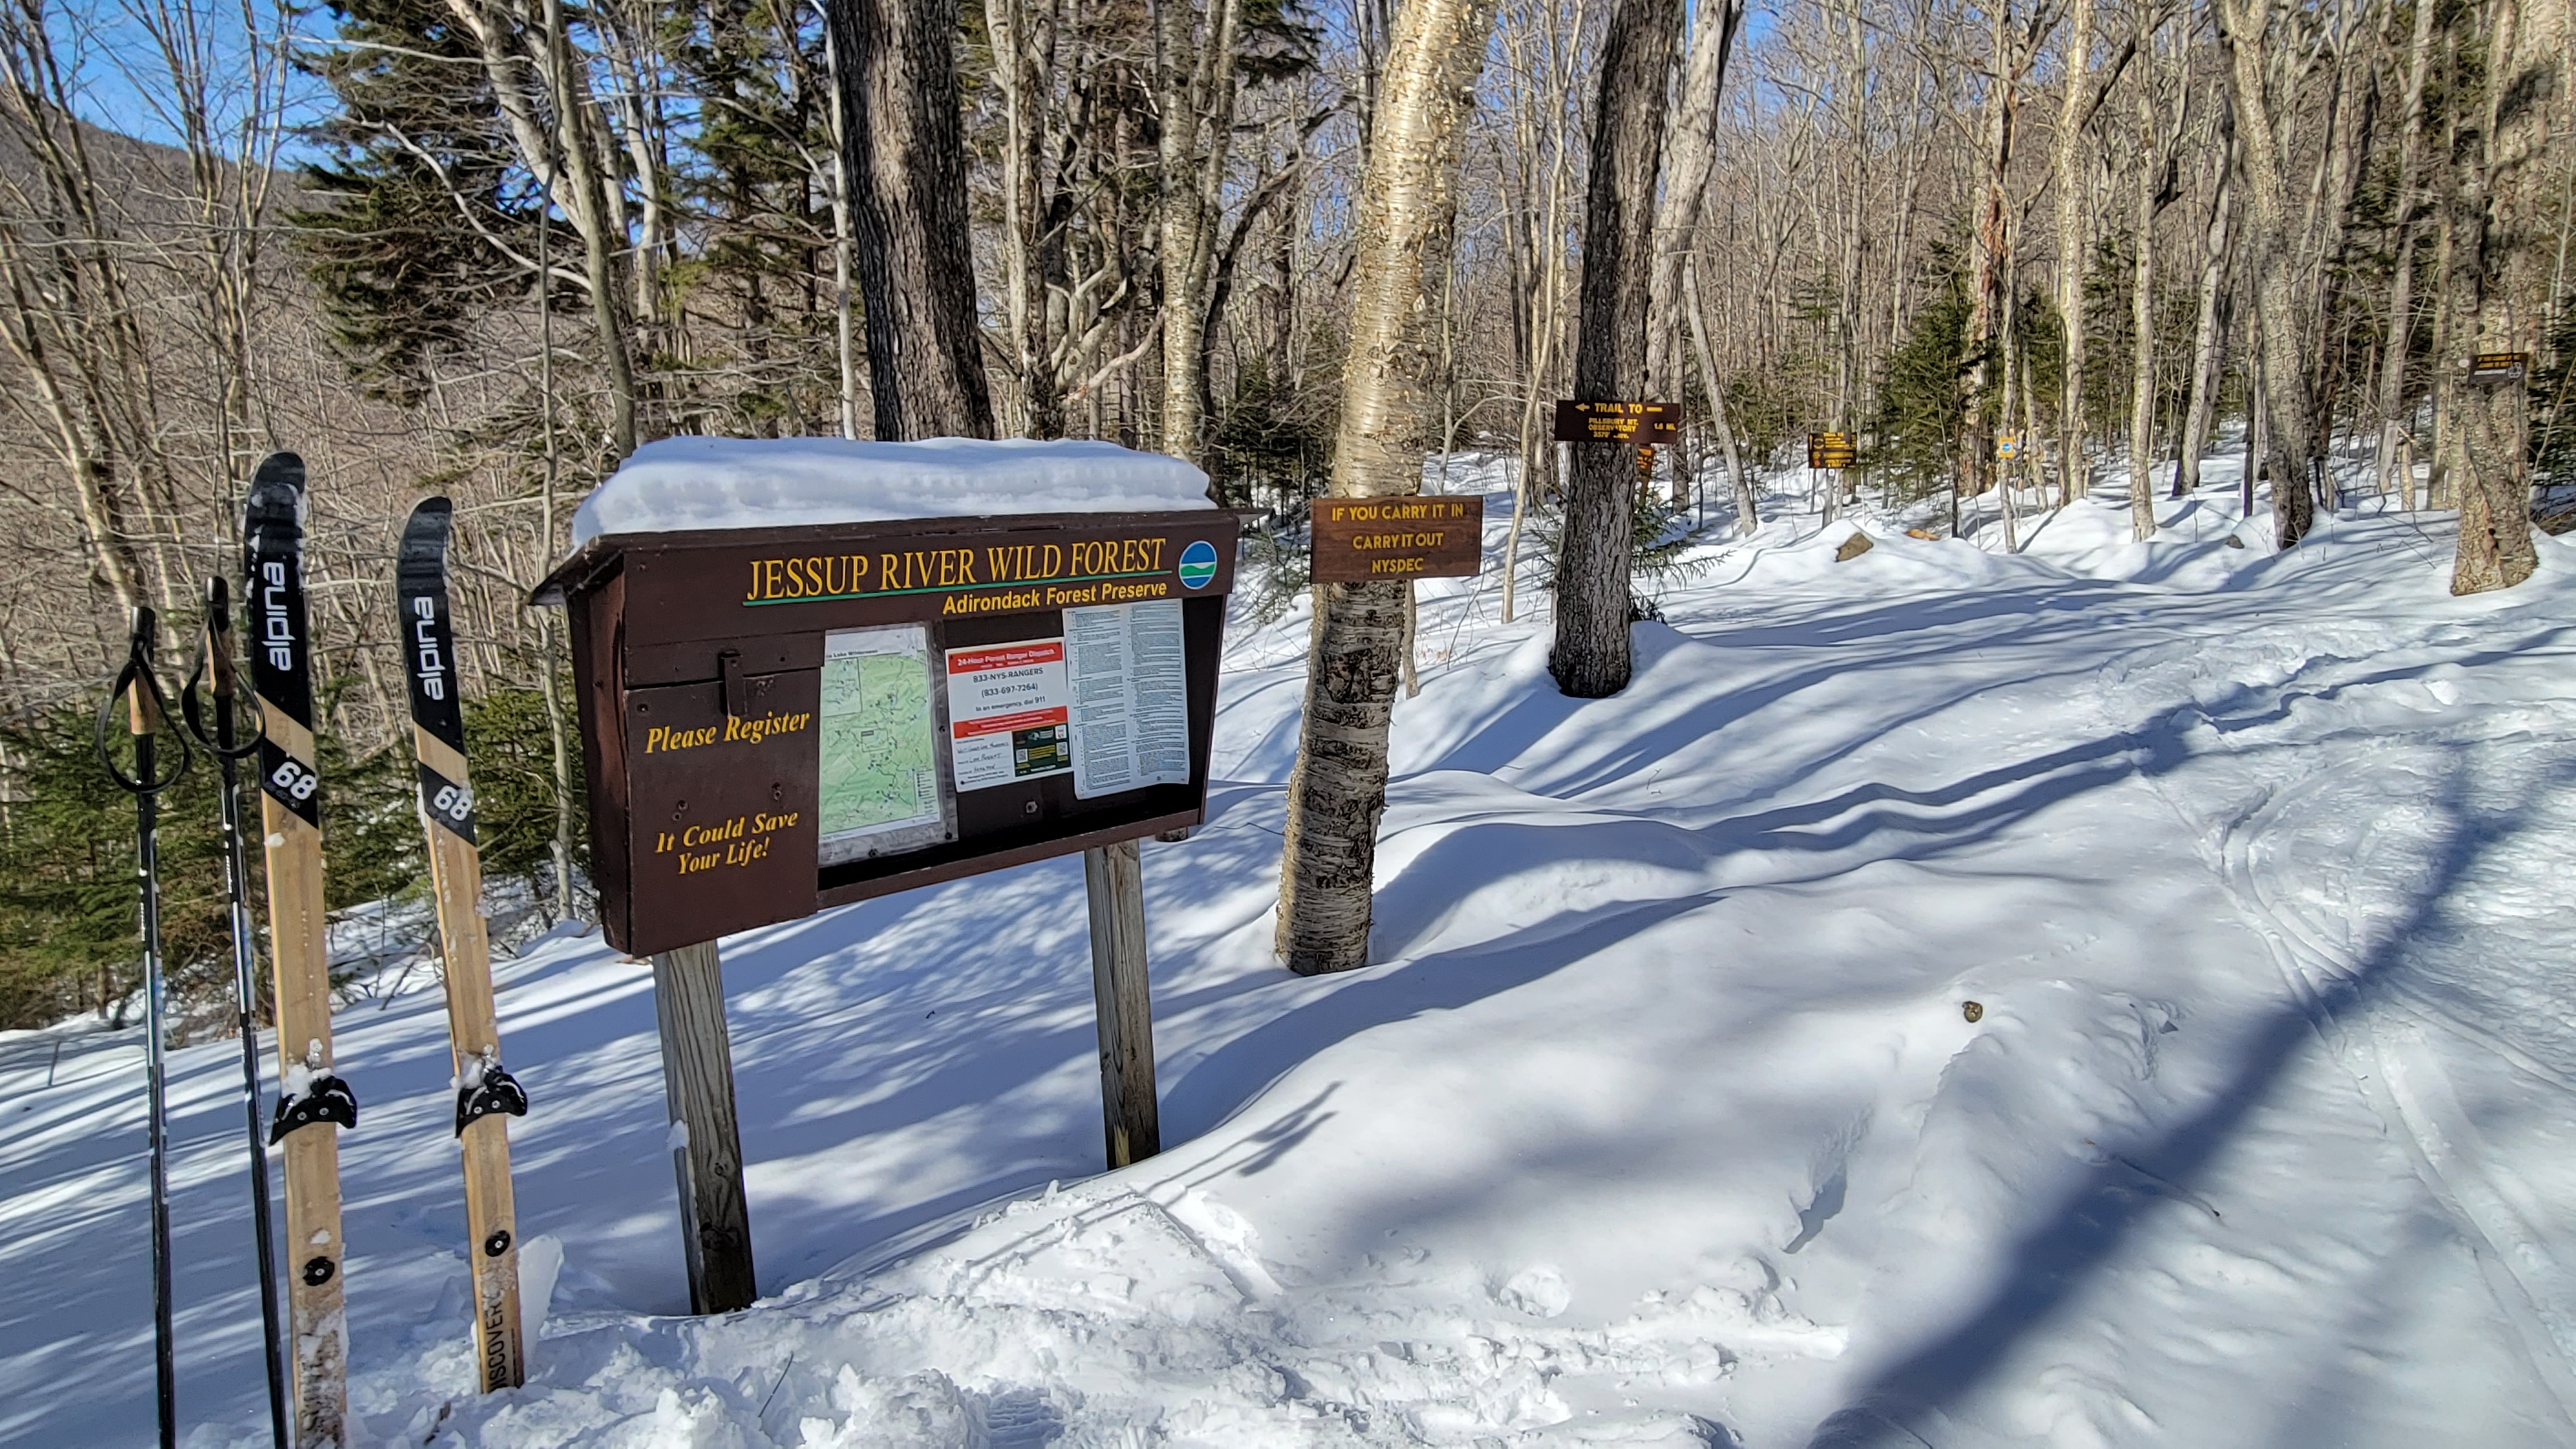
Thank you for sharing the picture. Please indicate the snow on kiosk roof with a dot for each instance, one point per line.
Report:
(685, 484)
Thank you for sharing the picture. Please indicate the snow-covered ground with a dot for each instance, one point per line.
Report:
(1660, 1119)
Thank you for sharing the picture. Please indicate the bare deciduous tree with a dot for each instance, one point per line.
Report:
(907, 166)
(1594, 550)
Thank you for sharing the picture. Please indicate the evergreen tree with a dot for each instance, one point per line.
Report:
(755, 185)
(422, 198)
(1923, 403)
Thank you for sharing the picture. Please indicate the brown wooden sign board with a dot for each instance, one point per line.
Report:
(1831, 450)
(2498, 367)
(1359, 539)
(778, 720)
(1618, 422)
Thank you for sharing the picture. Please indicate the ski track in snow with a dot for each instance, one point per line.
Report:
(2291, 857)
(1658, 1121)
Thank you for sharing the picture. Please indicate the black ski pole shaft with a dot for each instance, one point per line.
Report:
(147, 866)
(146, 710)
(217, 663)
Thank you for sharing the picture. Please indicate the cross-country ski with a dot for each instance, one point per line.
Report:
(314, 1104)
(486, 1093)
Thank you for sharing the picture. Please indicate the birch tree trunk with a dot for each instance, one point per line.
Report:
(543, 92)
(1995, 241)
(2142, 312)
(2070, 249)
(907, 167)
(2209, 330)
(2446, 321)
(2284, 393)
(1591, 660)
(2401, 285)
(2350, 125)
(1407, 217)
(2008, 340)
(1693, 150)
(844, 313)
(69, 321)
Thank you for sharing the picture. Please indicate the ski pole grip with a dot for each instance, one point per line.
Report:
(215, 656)
(142, 718)
(219, 636)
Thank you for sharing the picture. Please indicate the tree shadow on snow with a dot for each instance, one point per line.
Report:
(1903, 1402)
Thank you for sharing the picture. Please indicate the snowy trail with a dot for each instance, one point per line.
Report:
(2394, 1009)
(1659, 1120)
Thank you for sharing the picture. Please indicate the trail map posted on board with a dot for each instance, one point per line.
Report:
(879, 737)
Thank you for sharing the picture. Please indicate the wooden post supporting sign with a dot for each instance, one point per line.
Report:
(706, 1146)
(1114, 878)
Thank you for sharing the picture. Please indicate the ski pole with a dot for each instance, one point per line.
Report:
(216, 652)
(147, 713)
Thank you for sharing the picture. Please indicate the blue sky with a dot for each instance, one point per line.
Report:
(120, 80)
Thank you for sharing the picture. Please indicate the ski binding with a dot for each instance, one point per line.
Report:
(486, 1087)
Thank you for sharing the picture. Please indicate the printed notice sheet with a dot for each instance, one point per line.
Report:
(1007, 713)
(1131, 713)
(879, 738)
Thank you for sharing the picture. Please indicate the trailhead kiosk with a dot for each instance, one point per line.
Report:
(812, 672)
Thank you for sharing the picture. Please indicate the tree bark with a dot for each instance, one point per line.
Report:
(554, 122)
(2209, 330)
(1591, 660)
(1197, 99)
(575, 120)
(2401, 285)
(2284, 395)
(2495, 273)
(2142, 313)
(1686, 171)
(844, 225)
(72, 324)
(1019, 32)
(1536, 477)
(1747, 518)
(2070, 250)
(907, 166)
(1407, 217)
(1994, 243)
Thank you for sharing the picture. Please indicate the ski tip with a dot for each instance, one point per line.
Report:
(424, 538)
(275, 502)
